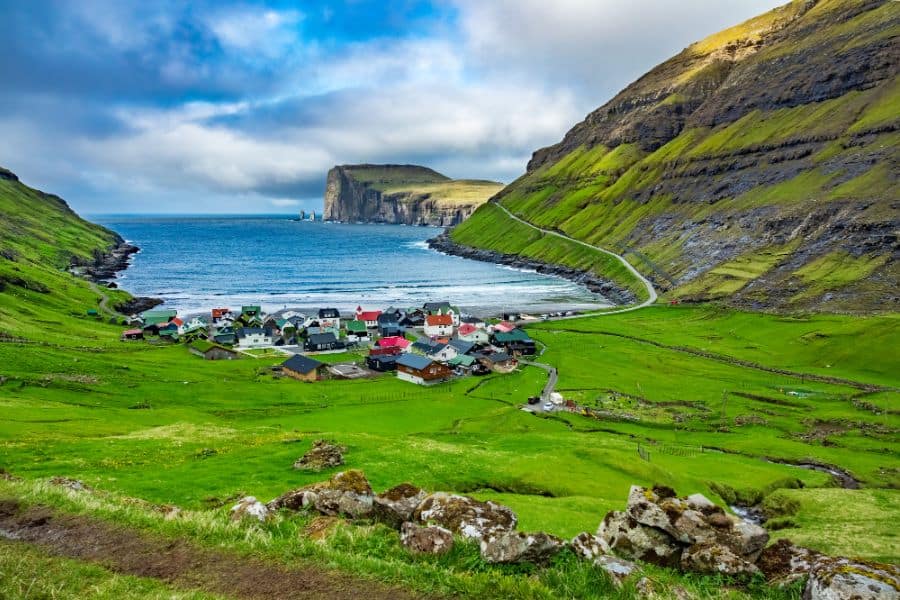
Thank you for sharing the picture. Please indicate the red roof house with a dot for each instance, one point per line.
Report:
(394, 342)
(370, 317)
(504, 327)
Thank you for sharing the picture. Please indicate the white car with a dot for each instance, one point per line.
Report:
(548, 406)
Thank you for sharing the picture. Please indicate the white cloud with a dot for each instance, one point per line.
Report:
(256, 30)
(471, 102)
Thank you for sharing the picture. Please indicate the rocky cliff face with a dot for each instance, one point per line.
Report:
(401, 194)
(758, 166)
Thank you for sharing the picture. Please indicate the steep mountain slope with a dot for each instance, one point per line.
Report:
(402, 194)
(41, 238)
(758, 166)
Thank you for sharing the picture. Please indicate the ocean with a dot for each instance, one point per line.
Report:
(197, 263)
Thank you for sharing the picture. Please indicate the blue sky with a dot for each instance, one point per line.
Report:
(202, 107)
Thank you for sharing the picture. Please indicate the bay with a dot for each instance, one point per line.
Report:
(199, 262)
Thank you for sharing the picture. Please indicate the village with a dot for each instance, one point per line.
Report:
(425, 345)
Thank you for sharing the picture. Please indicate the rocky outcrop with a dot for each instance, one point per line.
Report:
(588, 546)
(323, 455)
(691, 533)
(400, 194)
(105, 265)
(605, 287)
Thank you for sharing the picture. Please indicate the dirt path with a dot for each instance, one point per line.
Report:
(651, 291)
(104, 301)
(178, 562)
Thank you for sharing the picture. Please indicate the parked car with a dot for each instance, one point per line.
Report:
(533, 400)
(548, 406)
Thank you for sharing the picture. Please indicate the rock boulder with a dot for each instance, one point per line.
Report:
(588, 546)
(618, 569)
(465, 516)
(624, 535)
(347, 493)
(841, 578)
(249, 507)
(425, 539)
(323, 455)
(712, 558)
(784, 563)
(395, 506)
(518, 547)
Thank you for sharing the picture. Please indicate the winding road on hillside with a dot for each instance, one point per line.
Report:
(104, 300)
(652, 296)
(651, 291)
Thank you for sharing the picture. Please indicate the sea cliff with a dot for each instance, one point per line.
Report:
(401, 194)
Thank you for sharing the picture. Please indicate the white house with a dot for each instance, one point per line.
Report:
(443, 353)
(329, 320)
(254, 337)
(438, 325)
(443, 308)
(471, 333)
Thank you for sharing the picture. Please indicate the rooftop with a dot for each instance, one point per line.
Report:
(414, 361)
(301, 364)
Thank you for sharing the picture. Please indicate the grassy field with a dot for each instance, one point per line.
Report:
(161, 424)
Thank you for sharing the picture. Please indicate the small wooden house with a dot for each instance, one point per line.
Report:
(133, 334)
(499, 362)
(302, 368)
(330, 319)
(421, 370)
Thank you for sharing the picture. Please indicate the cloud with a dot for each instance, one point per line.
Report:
(270, 32)
(130, 106)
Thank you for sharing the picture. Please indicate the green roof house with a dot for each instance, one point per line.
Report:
(155, 317)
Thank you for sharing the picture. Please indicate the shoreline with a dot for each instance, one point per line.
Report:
(610, 291)
(104, 271)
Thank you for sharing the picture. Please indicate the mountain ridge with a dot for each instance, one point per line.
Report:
(757, 166)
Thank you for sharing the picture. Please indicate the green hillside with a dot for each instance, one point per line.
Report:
(718, 186)
(40, 239)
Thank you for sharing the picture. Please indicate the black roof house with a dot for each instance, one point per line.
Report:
(301, 364)
(329, 313)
